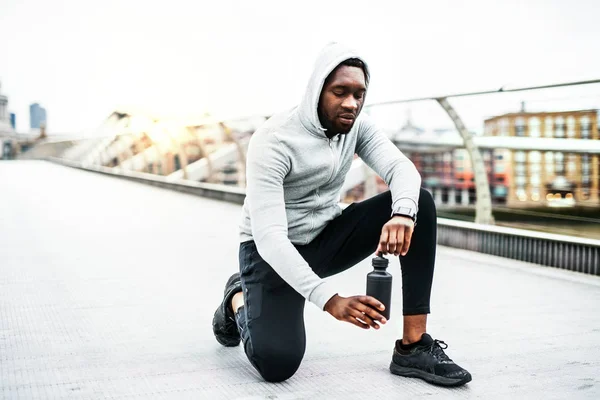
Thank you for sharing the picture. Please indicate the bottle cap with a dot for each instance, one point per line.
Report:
(380, 261)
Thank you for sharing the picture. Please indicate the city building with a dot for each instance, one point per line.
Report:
(13, 121)
(548, 178)
(517, 178)
(5, 127)
(37, 116)
(446, 171)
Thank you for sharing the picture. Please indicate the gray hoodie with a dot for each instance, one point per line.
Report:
(295, 174)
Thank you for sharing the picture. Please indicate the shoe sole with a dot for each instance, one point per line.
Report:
(228, 342)
(428, 377)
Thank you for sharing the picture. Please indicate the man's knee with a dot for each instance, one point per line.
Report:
(278, 364)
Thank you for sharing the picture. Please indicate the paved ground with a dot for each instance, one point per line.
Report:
(107, 290)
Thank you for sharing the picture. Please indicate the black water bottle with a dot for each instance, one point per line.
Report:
(379, 284)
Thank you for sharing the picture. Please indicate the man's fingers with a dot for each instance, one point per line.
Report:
(407, 239)
(350, 318)
(393, 245)
(371, 305)
(364, 318)
(394, 238)
(371, 313)
(383, 240)
(400, 239)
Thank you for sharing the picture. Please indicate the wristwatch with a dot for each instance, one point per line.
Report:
(406, 212)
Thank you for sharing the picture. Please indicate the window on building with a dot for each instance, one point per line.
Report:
(586, 127)
(559, 162)
(586, 181)
(534, 179)
(500, 190)
(520, 169)
(585, 164)
(535, 156)
(520, 128)
(521, 180)
(534, 127)
(499, 168)
(520, 156)
(559, 127)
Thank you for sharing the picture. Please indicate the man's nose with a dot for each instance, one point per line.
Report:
(350, 103)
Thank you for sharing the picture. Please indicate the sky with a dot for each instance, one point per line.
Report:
(83, 59)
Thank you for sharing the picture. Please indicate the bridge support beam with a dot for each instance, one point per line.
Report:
(483, 205)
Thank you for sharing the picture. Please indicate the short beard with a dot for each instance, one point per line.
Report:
(330, 131)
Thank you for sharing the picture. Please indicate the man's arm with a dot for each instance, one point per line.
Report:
(267, 166)
(398, 172)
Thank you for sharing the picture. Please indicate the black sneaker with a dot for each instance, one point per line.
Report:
(427, 360)
(224, 326)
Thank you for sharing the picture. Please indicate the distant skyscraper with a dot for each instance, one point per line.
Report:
(37, 116)
(13, 121)
(3, 107)
(4, 115)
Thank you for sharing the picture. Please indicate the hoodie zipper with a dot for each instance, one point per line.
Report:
(333, 160)
(334, 166)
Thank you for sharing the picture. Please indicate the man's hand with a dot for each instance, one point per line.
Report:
(395, 236)
(358, 310)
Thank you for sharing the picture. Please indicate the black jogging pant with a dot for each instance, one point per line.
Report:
(271, 323)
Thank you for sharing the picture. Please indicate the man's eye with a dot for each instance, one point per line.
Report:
(338, 92)
(359, 95)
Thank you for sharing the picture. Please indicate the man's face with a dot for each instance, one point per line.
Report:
(342, 99)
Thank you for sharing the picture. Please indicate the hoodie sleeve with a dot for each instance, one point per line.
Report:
(398, 172)
(267, 166)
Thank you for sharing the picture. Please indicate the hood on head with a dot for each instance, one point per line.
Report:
(329, 57)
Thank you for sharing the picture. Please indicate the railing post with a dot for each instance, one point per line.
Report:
(483, 206)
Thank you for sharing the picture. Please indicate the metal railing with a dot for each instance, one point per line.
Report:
(559, 251)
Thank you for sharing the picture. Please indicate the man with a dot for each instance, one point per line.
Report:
(294, 234)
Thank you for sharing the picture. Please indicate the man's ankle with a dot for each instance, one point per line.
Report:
(237, 301)
(407, 340)
(414, 327)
